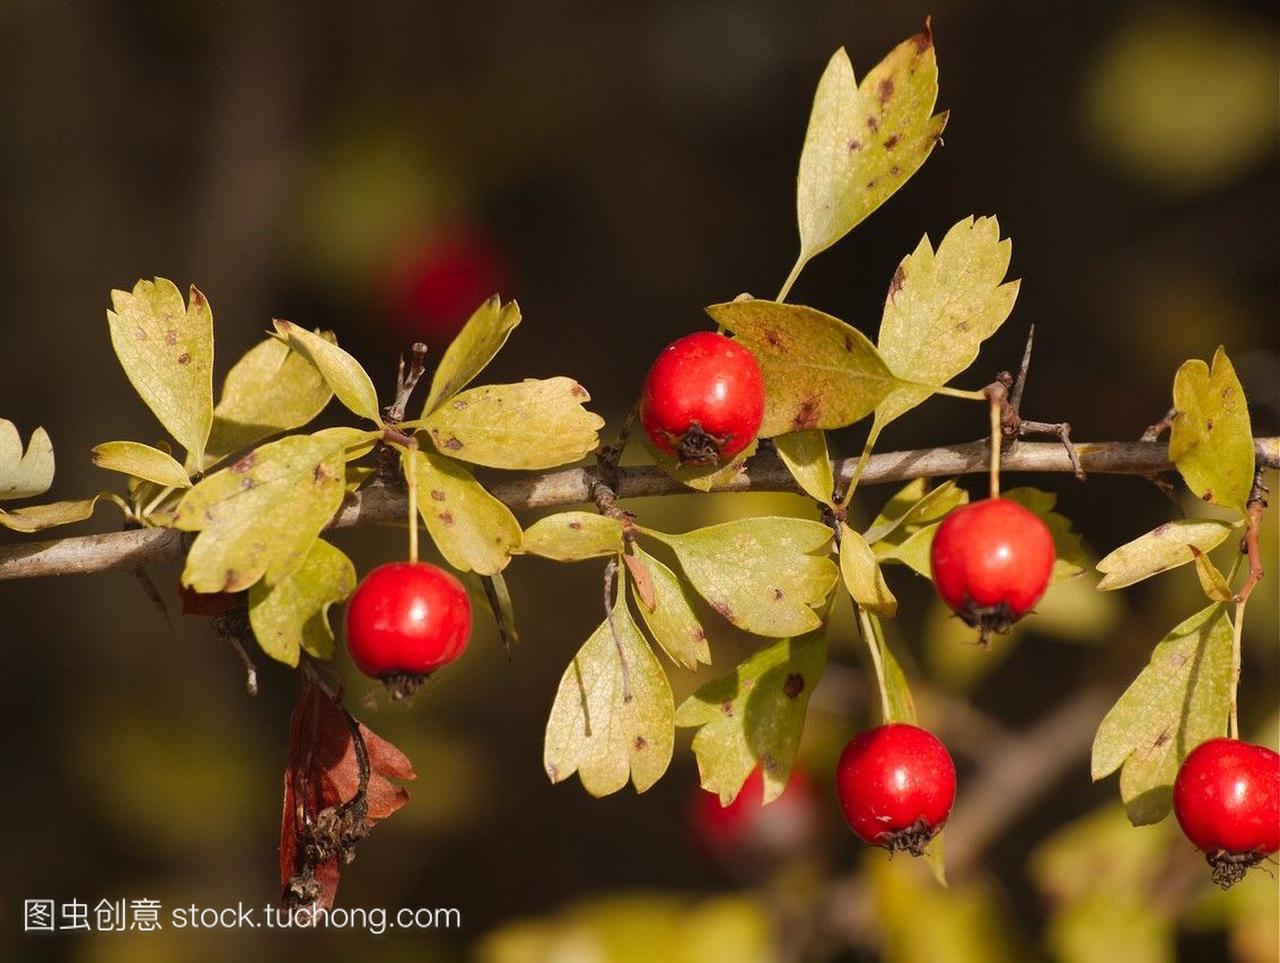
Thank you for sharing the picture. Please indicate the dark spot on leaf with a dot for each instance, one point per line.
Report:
(458, 405)
(1162, 739)
(698, 633)
(184, 358)
(321, 474)
(171, 337)
(806, 415)
(794, 685)
(873, 125)
(895, 284)
(453, 444)
(446, 517)
(578, 391)
(777, 594)
(1178, 660)
(855, 144)
(245, 463)
(1160, 529)
(724, 609)
(891, 141)
(848, 342)
(923, 40)
(885, 90)
(727, 709)
(1208, 424)
(895, 170)
(247, 483)
(641, 743)
(773, 339)
(1208, 495)
(871, 183)
(1228, 392)
(768, 762)
(576, 526)
(141, 334)
(437, 495)
(962, 326)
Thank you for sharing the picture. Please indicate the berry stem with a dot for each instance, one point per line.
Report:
(995, 409)
(411, 478)
(1236, 628)
(873, 646)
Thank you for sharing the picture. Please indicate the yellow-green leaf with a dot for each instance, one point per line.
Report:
(805, 455)
(862, 575)
(941, 307)
(573, 536)
(818, 371)
(35, 518)
(913, 551)
(141, 461)
(913, 506)
(1164, 547)
(473, 530)
(754, 716)
(865, 140)
(482, 337)
(258, 517)
(166, 350)
(1211, 441)
(1177, 702)
(672, 619)
(1212, 581)
(901, 705)
(765, 575)
(594, 730)
(271, 389)
(343, 373)
(533, 424)
(24, 475)
(293, 615)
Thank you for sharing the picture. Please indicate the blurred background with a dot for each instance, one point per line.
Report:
(378, 169)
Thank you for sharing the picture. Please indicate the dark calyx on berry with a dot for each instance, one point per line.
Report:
(914, 839)
(698, 447)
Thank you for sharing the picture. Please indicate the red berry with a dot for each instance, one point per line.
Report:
(703, 399)
(747, 831)
(991, 562)
(896, 784)
(406, 620)
(1227, 800)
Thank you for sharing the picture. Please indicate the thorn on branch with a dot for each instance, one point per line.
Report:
(233, 628)
(407, 380)
(1154, 431)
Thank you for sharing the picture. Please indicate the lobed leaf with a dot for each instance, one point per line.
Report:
(754, 716)
(23, 475)
(474, 531)
(1177, 702)
(862, 575)
(818, 371)
(1163, 548)
(671, 618)
(1211, 441)
(258, 517)
(760, 573)
(533, 424)
(598, 733)
(480, 339)
(865, 140)
(941, 307)
(573, 537)
(166, 350)
(343, 373)
(141, 461)
(293, 615)
(805, 455)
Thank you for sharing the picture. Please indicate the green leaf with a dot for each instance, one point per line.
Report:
(473, 530)
(271, 389)
(1212, 581)
(35, 518)
(1071, 557)
(702, 478)
(482, 337)
(760, 573)
(941, 307)
(1165, 547)
(818, 371)
(754, 716)
(672, 619)
(166, 350)
(1177, 702)
(913, 551)
(1211, 442)
(912, 506)
(141, 461)
(936, 861)
(862, 575)
(902, 705)
(343, 373)
(805, 455)
(24, 475)
(573, 537)
(293, 615)
(258, 517)
(865, 140)
(598, 733)
(533, 424)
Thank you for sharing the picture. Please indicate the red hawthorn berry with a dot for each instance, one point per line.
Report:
(896, 784)
(747, 831)
(1227, 800)
(991, 562)
(703, 399)
(404, 621)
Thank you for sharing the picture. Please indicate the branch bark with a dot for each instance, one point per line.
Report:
(766, 473)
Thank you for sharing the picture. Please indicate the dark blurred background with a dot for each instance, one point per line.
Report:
(614, 167)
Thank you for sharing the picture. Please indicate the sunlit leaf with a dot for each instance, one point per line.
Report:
(916, 505)
(24, 475)
(1211, 442)
(292, 616)
(760, 573)
(805, 455)
(272, 388)
(913, 551)
(35, 518)
(482, 337)
(598, 733)
(941, 307)
(1177, 702)
(258, 517)
(141, 461)
(1212, 581)
(818, 371)
(1164, 547)
(473, 530)
(343, 373)
(862, 575)
(532, 424)
(671, 618)
(864, 140)
(902, 705)
(754, 716)
(573, 536)
(166, 350)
